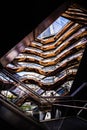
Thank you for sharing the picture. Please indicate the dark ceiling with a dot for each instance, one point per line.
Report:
(19, 19)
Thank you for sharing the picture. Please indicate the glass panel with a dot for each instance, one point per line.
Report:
(54, 28)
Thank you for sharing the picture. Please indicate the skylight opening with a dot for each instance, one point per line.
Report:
(54, 28)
